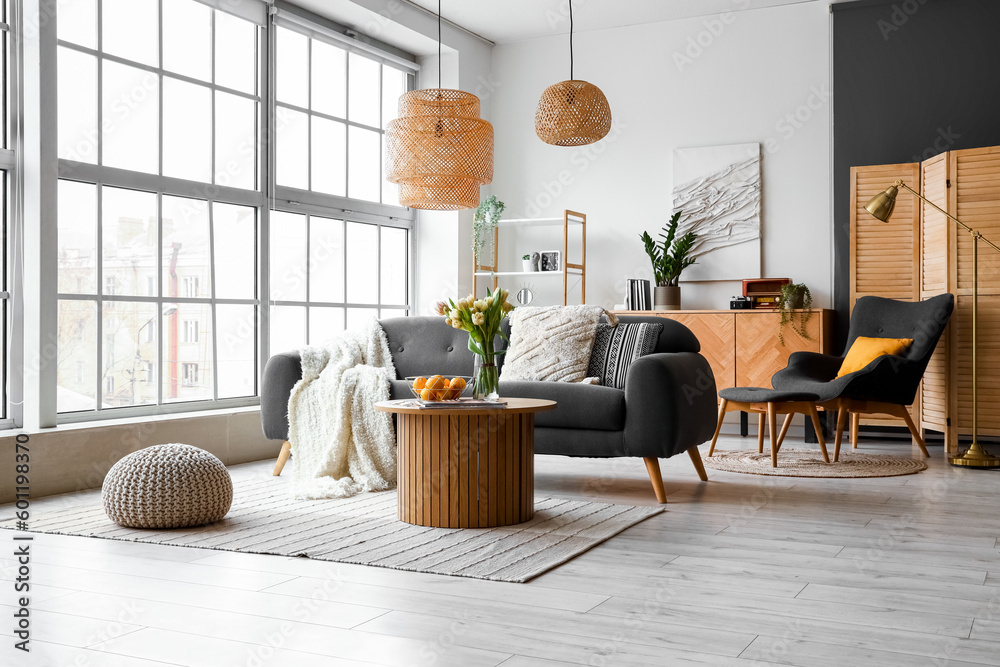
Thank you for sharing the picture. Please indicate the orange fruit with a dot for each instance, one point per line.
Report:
(419, 383)
(428, 395)
(435, 383)
(456, 388)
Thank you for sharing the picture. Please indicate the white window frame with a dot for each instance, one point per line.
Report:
(12, 165)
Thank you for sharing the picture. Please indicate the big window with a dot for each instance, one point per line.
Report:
(174, 209)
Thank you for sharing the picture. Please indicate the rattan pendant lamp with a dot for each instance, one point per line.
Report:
(439, 150)
(572, 113)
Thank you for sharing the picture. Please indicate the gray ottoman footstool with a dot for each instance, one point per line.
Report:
(167, 486)
(769, 403)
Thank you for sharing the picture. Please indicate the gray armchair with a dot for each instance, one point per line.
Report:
(886, 385)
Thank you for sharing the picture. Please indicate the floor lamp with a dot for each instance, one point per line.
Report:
(881, 207)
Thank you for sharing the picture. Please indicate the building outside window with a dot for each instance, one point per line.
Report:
(189, 373)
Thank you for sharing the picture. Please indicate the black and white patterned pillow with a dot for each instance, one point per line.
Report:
(615, 348)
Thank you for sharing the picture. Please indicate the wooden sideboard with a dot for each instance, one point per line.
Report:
(742, 346)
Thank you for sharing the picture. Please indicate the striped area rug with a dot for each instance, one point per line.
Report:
(364, 530)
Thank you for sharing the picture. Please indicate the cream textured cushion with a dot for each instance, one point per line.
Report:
(552, 343)
(167, 486)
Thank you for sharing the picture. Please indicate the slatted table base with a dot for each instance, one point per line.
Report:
(466, 471)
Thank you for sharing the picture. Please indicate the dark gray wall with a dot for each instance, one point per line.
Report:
(911, 79)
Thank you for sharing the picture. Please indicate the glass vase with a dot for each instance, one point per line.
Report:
(486, 383)
(486, 376)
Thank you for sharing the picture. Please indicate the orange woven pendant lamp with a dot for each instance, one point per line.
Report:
(572, 113)
(439, 150)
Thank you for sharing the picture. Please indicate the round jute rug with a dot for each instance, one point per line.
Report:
(809, 463)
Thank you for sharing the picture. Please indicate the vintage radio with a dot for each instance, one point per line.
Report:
(764, 292)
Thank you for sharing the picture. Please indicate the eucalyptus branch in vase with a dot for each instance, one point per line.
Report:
(484, 221)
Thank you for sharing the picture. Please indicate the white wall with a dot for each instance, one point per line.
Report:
(751, 74)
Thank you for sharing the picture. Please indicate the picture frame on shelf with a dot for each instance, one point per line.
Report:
(551, 260)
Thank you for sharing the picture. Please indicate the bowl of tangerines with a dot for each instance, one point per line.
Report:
(439, 388)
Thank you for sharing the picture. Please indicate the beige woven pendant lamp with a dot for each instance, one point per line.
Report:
(439, 150)
(572, 113)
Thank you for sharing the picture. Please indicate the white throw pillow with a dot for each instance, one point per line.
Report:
(551, 343)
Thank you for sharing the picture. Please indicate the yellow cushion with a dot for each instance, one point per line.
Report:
(866, 350)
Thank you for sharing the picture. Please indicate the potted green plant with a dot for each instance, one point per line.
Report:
(527, 264)
(795, 306)
(669, 258)
(484, 221)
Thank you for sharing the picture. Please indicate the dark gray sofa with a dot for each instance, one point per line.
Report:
(668, 405)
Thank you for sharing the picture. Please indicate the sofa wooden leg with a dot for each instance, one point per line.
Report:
(653, 469)
(855, 427)
(286, 451)
(698, 465)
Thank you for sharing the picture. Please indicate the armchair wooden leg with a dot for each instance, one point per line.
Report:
(784, 429)
(286, 451)
(855, 427)
(718, 426)
(698, 465)
(762, 418)
(905, 414)
(772, 429)
(819, 433)
(841, 420)
(653, 470)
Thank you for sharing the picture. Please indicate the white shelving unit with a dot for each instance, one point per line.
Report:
(569, 219)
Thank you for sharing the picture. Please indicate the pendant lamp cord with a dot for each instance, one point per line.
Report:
(439, 43)
(570, 39)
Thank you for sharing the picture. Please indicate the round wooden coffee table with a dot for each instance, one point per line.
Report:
(466, 467)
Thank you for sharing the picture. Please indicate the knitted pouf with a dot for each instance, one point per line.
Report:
(167, 486)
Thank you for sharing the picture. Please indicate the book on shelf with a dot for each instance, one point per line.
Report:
(637, 295)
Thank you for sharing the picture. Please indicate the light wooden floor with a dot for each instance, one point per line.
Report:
(741, 570)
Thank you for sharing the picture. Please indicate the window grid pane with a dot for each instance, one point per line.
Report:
(329, 273)
(323, 91)
(119, 122)
(161, 349)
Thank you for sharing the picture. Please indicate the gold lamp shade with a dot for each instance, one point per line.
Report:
(882, 204)
(439, 150)
(572, 113)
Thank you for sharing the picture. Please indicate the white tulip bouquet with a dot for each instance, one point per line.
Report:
(482, 319)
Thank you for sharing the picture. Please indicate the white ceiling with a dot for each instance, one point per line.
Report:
(504, 21)
(514, 20)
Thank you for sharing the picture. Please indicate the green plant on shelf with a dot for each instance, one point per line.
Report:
(795, 306)
(484, 221)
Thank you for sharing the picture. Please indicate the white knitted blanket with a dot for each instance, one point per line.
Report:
(341, 445)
